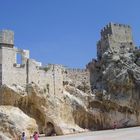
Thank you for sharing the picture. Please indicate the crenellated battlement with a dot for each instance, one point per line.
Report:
(120, 25)
(110, 26)
(107, 30)
(115, 30)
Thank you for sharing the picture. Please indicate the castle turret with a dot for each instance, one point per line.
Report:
(115, 37)
(6, 38)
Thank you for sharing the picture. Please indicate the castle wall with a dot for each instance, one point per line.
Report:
(120, 46)
(33, 72)
(49, 78)
(56, 72)
(0, 66)
(11, 72)
(0, 55)
(78, 76)
(102, 46)
(121, 33)
(0, 74)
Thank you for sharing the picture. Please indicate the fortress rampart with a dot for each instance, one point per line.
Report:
(48, 77)
(115, 38)
(78, 76)
(12, 72)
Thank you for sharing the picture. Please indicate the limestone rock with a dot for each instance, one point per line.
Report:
(44, 108)
(13, 122)
(115, 78)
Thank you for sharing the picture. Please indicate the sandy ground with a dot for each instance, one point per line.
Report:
(118, 134)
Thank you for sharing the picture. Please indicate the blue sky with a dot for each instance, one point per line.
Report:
(65, 31)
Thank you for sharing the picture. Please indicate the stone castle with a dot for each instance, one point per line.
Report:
(50, 77)
(117, 38)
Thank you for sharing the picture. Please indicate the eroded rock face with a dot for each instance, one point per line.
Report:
(44, 108)
(116, 89)
(13, 122)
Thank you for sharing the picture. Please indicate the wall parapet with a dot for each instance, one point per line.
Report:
(76, 70)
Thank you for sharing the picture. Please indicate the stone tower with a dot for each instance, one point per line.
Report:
(10, 70)
(6, 41)
(6, 38)
(115, 37)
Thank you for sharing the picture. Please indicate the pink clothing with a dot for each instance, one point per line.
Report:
(35, 137)
(115, 125)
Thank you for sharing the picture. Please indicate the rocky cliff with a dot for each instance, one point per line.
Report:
(111, 95)
(115, 84)
(53, 114)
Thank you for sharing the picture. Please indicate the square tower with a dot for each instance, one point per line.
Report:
(115, 37)
(6, 38)
(13, 61)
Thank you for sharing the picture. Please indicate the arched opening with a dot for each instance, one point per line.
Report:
(50, 130)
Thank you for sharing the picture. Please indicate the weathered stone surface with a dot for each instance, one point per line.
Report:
(13, 122)
(58, 110)
(115, 78)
